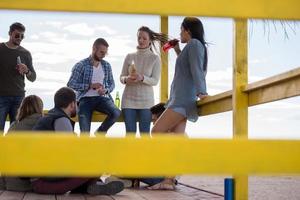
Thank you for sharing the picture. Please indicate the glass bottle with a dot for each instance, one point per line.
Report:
(170, 44)
(132, 68)
(117, 100)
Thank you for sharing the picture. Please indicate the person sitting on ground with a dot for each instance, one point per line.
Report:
(29, 112)
(59, 119)
(153, 183)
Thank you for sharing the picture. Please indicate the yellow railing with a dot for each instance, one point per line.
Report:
(67, 155)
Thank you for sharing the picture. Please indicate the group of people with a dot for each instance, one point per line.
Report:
(89, 88)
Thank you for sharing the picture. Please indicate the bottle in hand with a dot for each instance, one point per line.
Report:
(117, 100)
(132, 69)
(19, 60)
(170, 44)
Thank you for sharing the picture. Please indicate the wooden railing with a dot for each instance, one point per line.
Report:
(53, 155)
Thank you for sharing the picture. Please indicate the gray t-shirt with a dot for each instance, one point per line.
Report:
(63, 124)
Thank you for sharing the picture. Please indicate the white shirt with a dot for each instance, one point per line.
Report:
(98, 77)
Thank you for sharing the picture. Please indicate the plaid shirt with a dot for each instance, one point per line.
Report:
(81, 77)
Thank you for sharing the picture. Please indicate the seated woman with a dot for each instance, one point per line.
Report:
(29, 112)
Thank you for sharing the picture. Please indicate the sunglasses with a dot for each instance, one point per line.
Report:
(18, 35)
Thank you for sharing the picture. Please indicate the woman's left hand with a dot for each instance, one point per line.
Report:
(202, 96)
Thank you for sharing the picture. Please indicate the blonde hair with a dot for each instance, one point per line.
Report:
(30, 105)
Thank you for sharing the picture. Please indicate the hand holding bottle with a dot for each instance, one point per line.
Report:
(132, 69)
(170, 44)
(22, 68)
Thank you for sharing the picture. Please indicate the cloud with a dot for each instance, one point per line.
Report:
(106, 29)
(53, 75)
(34, 37)
(80, 29)
(256, 61)
(84, 29)
(55, 24)
(48, 34)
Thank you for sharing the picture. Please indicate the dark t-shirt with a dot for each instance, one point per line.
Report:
(11, 81)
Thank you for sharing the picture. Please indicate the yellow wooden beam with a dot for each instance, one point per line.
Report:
(276, 9)
(164, 76)
(271, 89)
(215, 104)
(240, 79)
(55, 154)
(239, 98)
(275, 88)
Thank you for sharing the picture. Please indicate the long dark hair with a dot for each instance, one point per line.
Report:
(195, 27)
(153, 36)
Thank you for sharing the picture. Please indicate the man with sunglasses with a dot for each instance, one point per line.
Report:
(93, 81)
(15, 65)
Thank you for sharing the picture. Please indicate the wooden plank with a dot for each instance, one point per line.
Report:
(70, 197)
(290, 88)
(9, 195)
(288, 9)
(215, 104)
(294, 73)
(164, 75)
(240, 79)
(99, 197)
(34, 196)
(128, 194)
(275, 88)
(239, 98)
(271, 89)
(49, 155)
(162, 195)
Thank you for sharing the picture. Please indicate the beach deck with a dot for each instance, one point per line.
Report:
(190, 187)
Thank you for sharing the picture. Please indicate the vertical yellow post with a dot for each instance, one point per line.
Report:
(240, 99)
(164, 25)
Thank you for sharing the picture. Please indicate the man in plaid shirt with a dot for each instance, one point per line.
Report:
(93, 81)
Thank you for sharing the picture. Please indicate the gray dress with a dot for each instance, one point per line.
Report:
(189, 80)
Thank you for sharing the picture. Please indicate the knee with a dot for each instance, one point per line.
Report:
(115, 113)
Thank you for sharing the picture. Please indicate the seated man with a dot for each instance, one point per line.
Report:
(59, 119)
(93, 81)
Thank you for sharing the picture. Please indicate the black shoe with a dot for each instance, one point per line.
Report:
(110, 188)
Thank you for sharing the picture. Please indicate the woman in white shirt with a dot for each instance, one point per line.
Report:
(141, 71)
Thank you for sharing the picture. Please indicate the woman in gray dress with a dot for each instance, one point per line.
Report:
(188, 84)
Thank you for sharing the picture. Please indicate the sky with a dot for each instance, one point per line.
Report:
(57, 40)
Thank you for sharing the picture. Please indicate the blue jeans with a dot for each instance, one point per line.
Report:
(131, 116)
(9, 106)
(101, 104)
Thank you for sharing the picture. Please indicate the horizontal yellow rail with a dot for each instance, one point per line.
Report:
(57, 154)
(271, 89)
(276, 9)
